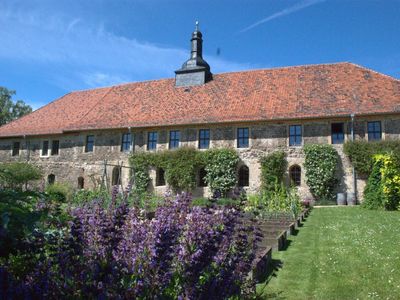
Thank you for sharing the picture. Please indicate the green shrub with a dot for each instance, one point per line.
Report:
(181, 166)
(221, 167)
(320, 164)
(361, 153)
(60, 192)
(273, 167)
(383, 185)
(140, 163)
(17, 174)
(82, 197)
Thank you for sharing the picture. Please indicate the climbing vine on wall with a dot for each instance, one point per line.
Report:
(320, 164)
(181, 166)
(273, 167)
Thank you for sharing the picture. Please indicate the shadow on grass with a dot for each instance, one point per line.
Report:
(262, 292)
(286, 245)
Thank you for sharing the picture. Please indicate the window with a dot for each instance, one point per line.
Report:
(374, 131)
(116, 176)
(81, 183)
(174, 137)
(295, 175)
(244, 176)
(15, 149)
(242, 137)
(337, 131)
(160, 177)
(51, 179)
(89, 143)
(152, 140)
(202, 177)
(45, 148)
(295, 137)
(126, 142)
(55, 145)
(204, 138)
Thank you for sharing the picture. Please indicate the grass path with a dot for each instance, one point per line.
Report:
(339, 253)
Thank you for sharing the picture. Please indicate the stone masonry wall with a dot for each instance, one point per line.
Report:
(72, 161)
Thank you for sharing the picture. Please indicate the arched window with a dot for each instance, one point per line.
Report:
(81, 183)
(51, 179)
(244, 176)
(160, 177)
(202, 176)
(295, 175)
(116, 176)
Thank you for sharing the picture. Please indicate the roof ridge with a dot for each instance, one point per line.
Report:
(373, 71)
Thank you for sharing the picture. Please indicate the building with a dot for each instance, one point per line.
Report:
(256, 112)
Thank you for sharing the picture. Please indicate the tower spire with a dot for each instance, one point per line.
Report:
(195, 71)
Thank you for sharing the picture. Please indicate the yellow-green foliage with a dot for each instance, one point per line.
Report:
(390, 179)
(16, 174)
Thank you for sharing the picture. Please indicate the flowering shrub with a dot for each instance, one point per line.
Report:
(184, 252)
(320, 163)
(273, 167)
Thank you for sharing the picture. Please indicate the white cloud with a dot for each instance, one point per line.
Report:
(82, 55)
(287, 11)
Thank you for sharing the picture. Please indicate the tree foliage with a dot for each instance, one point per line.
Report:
(8, 109)
(16, 174)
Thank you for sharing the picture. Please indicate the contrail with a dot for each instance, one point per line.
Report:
(284, 12)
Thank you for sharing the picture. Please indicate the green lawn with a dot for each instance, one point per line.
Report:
(339, 253)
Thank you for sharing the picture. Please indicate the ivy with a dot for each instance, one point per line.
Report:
(320, 164)
(221, 167)
(361, 153)
(273, 167)
(181, 166)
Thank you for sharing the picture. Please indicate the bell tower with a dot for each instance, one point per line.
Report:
(195, 71)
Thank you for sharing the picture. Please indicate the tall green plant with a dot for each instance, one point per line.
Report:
(140, 162)
(221, 167)
(273, 168)
(320, 164)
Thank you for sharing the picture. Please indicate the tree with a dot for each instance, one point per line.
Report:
(8, 109)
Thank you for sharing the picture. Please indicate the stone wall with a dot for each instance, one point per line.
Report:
(265, 137)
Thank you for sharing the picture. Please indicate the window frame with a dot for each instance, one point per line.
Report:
(174, 143)
(202, 139)
(125, 143)
(297, 173)
(13, 148)
(343, 133)
(48, 148)
(152, 141)
(295, 135)
(87, 143)
(52, 152)
(240, 179)
(374, 132)
(240, 138)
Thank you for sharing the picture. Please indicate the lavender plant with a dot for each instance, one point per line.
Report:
(118, 252)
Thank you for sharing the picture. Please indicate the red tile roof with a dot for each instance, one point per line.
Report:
(312, 91)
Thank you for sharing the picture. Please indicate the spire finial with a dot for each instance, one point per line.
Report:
(197, 25)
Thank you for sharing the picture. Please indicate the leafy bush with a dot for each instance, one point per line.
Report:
(140, 162)
(17, 174)
(273, 167)
(180, 168)
(221, 167)
(383, 185)
(60, 192)
(183, 253)
(320, 164)
(83, 197)
(361, 153)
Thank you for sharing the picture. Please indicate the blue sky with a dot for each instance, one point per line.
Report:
(49, 48)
